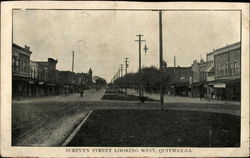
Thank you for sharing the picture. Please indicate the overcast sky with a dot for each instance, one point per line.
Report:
(102, 39)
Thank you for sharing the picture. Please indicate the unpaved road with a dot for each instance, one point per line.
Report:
(49, 121)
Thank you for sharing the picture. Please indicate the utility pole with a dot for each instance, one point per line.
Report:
(140, 84)
(126, 66)
(73, 54)
(161, 61)
(121, 69)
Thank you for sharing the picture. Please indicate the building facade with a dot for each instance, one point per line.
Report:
(196, 75)
(227, 62)
(177, 80)
(210, 76)
(20, 71)
(47, 76)
(219, 76)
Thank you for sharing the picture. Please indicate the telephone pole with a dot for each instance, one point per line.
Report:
(73, 54)
(161, 60)
(121, 69)
(140, 84)
(126, 66)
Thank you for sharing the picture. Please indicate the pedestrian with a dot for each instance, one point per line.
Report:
(81, 92)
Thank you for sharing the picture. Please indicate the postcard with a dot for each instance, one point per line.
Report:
(124, 79)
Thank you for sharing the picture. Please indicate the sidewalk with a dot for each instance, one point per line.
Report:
(89, 95)
(179, 99)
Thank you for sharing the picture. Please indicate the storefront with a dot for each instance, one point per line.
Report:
(20, 87)
(228, 90)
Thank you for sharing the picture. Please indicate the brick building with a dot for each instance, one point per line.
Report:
(227, 62)
(20, 71)
(177, 80)
(196, 75)
(74, 81)
(47, 76)
(200, 85)
(219, 76)
(210, 76)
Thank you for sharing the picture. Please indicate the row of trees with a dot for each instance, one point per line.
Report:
(149, 78)
(100, 82)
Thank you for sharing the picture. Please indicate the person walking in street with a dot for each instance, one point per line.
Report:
(81, 92)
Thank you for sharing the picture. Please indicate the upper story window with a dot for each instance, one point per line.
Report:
(222, 70)
(230, 69)
(218, 70)
(24, 66)
(21, 65)
(236, 67)
(31, 73)
(14, 63)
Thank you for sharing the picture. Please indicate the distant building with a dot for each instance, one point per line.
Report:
(198, 70)
(47, 77)
(51, 65)
(210, 76)
(33, 70)
(177, 80)
(34, 78)
(66, 77)
(227, 62)
(74, 81)
(200, 85)
(20, 71)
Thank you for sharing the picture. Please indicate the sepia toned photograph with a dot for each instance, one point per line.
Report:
(126, 80)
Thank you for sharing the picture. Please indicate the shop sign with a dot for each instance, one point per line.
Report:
(220, 85)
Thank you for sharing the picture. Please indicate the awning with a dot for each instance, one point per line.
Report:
(210, 69)
(220, 85)
(51, 84)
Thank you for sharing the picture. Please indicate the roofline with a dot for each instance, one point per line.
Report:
(227, 46)
(210, 53)
(26, 50)
(180, 67)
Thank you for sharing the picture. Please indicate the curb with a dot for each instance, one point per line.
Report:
(72, 135)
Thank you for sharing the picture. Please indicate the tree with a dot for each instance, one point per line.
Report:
(100, 82)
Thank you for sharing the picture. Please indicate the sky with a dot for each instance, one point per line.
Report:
(102, 39)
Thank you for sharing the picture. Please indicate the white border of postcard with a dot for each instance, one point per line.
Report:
(6, 38)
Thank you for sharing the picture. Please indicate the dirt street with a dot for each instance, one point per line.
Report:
(49, 121)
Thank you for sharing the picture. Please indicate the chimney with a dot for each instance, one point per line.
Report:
(27, 47)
